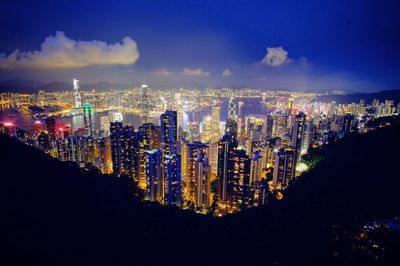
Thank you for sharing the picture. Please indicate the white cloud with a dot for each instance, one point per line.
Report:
(163, 72)
(59, 51)
(194, 72)
(276, 56)
(227, 73)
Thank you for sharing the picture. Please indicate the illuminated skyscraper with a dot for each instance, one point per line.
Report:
(215, 123)
(256, 167)
(285, 167)
(198, 175)
(105, 125)
(298, 130)
(153, 175)
(169, 137)
(117, 145)
(238, 187)
(280, 126)
(172, 180)
(231, 123)
(88, 118)
(145, 104)
(77, 97)
(226, 150)
(152, 134)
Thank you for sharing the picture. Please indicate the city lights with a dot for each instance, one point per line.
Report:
(178, 150)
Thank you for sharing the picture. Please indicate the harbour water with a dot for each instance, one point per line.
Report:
(23, 119)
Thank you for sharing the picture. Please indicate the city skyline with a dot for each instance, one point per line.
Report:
(199, 132)
(308, 46)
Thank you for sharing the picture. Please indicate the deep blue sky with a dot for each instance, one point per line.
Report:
(351, 45)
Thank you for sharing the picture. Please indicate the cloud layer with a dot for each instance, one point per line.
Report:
(162, 72)
(226, 73)
(194, 72)
(59, 51)
(276, 56)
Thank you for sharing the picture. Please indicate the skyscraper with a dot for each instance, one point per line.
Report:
(198, 175)
(298, 131)
(169, 137)
(88, 118)
(231, 123)
(280, 126)
(238, 187)
(153, 175)
(77, 97)
(152, 134)
(117, 145)
(285, 167)
(145, 104)
(172, 180)
(226, 150)
(215, 123)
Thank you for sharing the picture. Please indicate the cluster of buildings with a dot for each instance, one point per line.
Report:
(214, 166)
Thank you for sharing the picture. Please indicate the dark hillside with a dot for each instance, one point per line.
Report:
(53, 213)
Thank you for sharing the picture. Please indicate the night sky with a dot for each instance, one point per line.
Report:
(324, 45)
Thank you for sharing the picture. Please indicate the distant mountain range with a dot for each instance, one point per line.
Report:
(356, 97)
(32, 86)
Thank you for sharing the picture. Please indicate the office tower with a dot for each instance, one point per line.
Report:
(77, 98)
(139, 160)
(184, 165)
(117, 145)
(205, 130)
(255, 127)
(284, 168)
(169, 137)
(226, 150)
(71, 149)
(256, 167)
(298, 130)
(152, 134)
(172, 180)
(231, 124)
(145, 104)
(105, 125)
(308, 136)
(215, 123)
(213, 160)
(194, 132)
(198, 175)
(61, 149)
(89, 148)
(51, 127)
(238, 189)
(280, 126)
(153, 175)
(88, 118)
